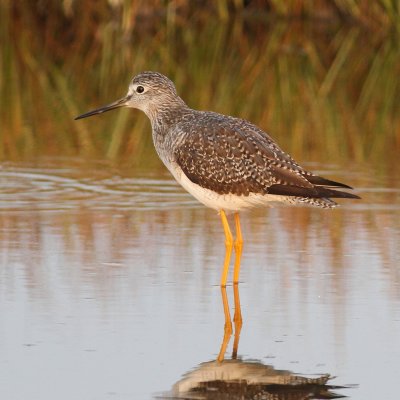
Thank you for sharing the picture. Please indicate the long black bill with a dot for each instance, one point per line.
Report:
(119, 103)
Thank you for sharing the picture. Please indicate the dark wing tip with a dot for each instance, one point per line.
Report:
(315, 192)
(318, 180)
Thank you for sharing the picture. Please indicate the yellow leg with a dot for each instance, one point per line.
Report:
(238, 249)
(228, 248)
(237, 318)
(227, 326)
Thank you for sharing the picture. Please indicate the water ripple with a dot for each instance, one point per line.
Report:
(55, 187)
(61, 189)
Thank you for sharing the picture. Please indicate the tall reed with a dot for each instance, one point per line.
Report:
(327, 90)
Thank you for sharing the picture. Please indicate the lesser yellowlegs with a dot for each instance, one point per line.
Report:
(227, 163)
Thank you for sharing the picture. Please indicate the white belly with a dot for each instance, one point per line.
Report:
(226, 202)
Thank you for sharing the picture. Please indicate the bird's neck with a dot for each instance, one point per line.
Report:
(163, 116)
(164, 111)
(166, 129)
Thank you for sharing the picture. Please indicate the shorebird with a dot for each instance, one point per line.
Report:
(227, 163)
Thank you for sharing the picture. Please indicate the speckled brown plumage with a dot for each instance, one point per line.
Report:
(232, 156)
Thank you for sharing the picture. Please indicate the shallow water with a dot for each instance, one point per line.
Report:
(109, 284)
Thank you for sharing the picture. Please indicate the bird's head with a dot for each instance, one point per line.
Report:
(148, 91)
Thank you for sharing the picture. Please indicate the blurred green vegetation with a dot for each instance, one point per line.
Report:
(323, 79)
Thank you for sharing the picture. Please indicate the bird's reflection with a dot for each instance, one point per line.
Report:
(237, 321)
(235, 378)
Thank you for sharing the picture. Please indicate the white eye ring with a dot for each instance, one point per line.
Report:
(140, 89)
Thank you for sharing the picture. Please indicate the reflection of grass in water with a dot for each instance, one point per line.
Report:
(323, 91)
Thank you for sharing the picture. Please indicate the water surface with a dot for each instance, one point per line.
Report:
(109, 284)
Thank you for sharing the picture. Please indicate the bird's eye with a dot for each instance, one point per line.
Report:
(140, 89)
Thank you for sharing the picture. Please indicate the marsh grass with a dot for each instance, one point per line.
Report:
(325, 89)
